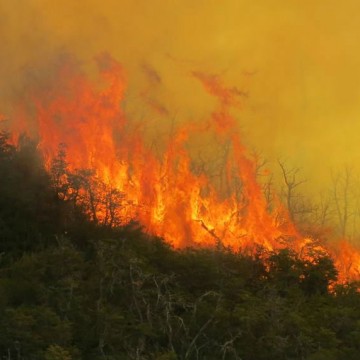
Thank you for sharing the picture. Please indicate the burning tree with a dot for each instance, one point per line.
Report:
(110, 172)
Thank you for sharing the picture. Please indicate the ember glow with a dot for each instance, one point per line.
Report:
(130, 181)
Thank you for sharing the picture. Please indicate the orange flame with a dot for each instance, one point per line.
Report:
(164, 195)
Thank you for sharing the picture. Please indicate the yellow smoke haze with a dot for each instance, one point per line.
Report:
(298, 60)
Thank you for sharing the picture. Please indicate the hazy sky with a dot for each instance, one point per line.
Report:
(299, 61)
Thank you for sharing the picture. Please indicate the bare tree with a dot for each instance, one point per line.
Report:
(294, 201)
(344, 198)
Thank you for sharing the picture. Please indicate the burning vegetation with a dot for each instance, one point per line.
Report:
(100, 161)
(113, 248)
(136, 220)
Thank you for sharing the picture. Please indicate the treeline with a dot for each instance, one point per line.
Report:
(72, 288)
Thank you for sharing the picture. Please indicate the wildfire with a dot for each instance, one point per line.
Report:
(120, 178)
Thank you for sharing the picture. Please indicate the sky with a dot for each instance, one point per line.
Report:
(298, 61)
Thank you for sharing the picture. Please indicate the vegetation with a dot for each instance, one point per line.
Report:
(71, 288)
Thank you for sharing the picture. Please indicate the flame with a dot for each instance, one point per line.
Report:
(347, 261)
(163, 193)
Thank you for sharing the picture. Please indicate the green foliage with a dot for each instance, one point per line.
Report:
(28, 213)
(56, 352)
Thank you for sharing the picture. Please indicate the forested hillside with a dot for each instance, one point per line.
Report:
(73, 289)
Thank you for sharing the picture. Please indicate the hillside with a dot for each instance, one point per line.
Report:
(74, 289)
